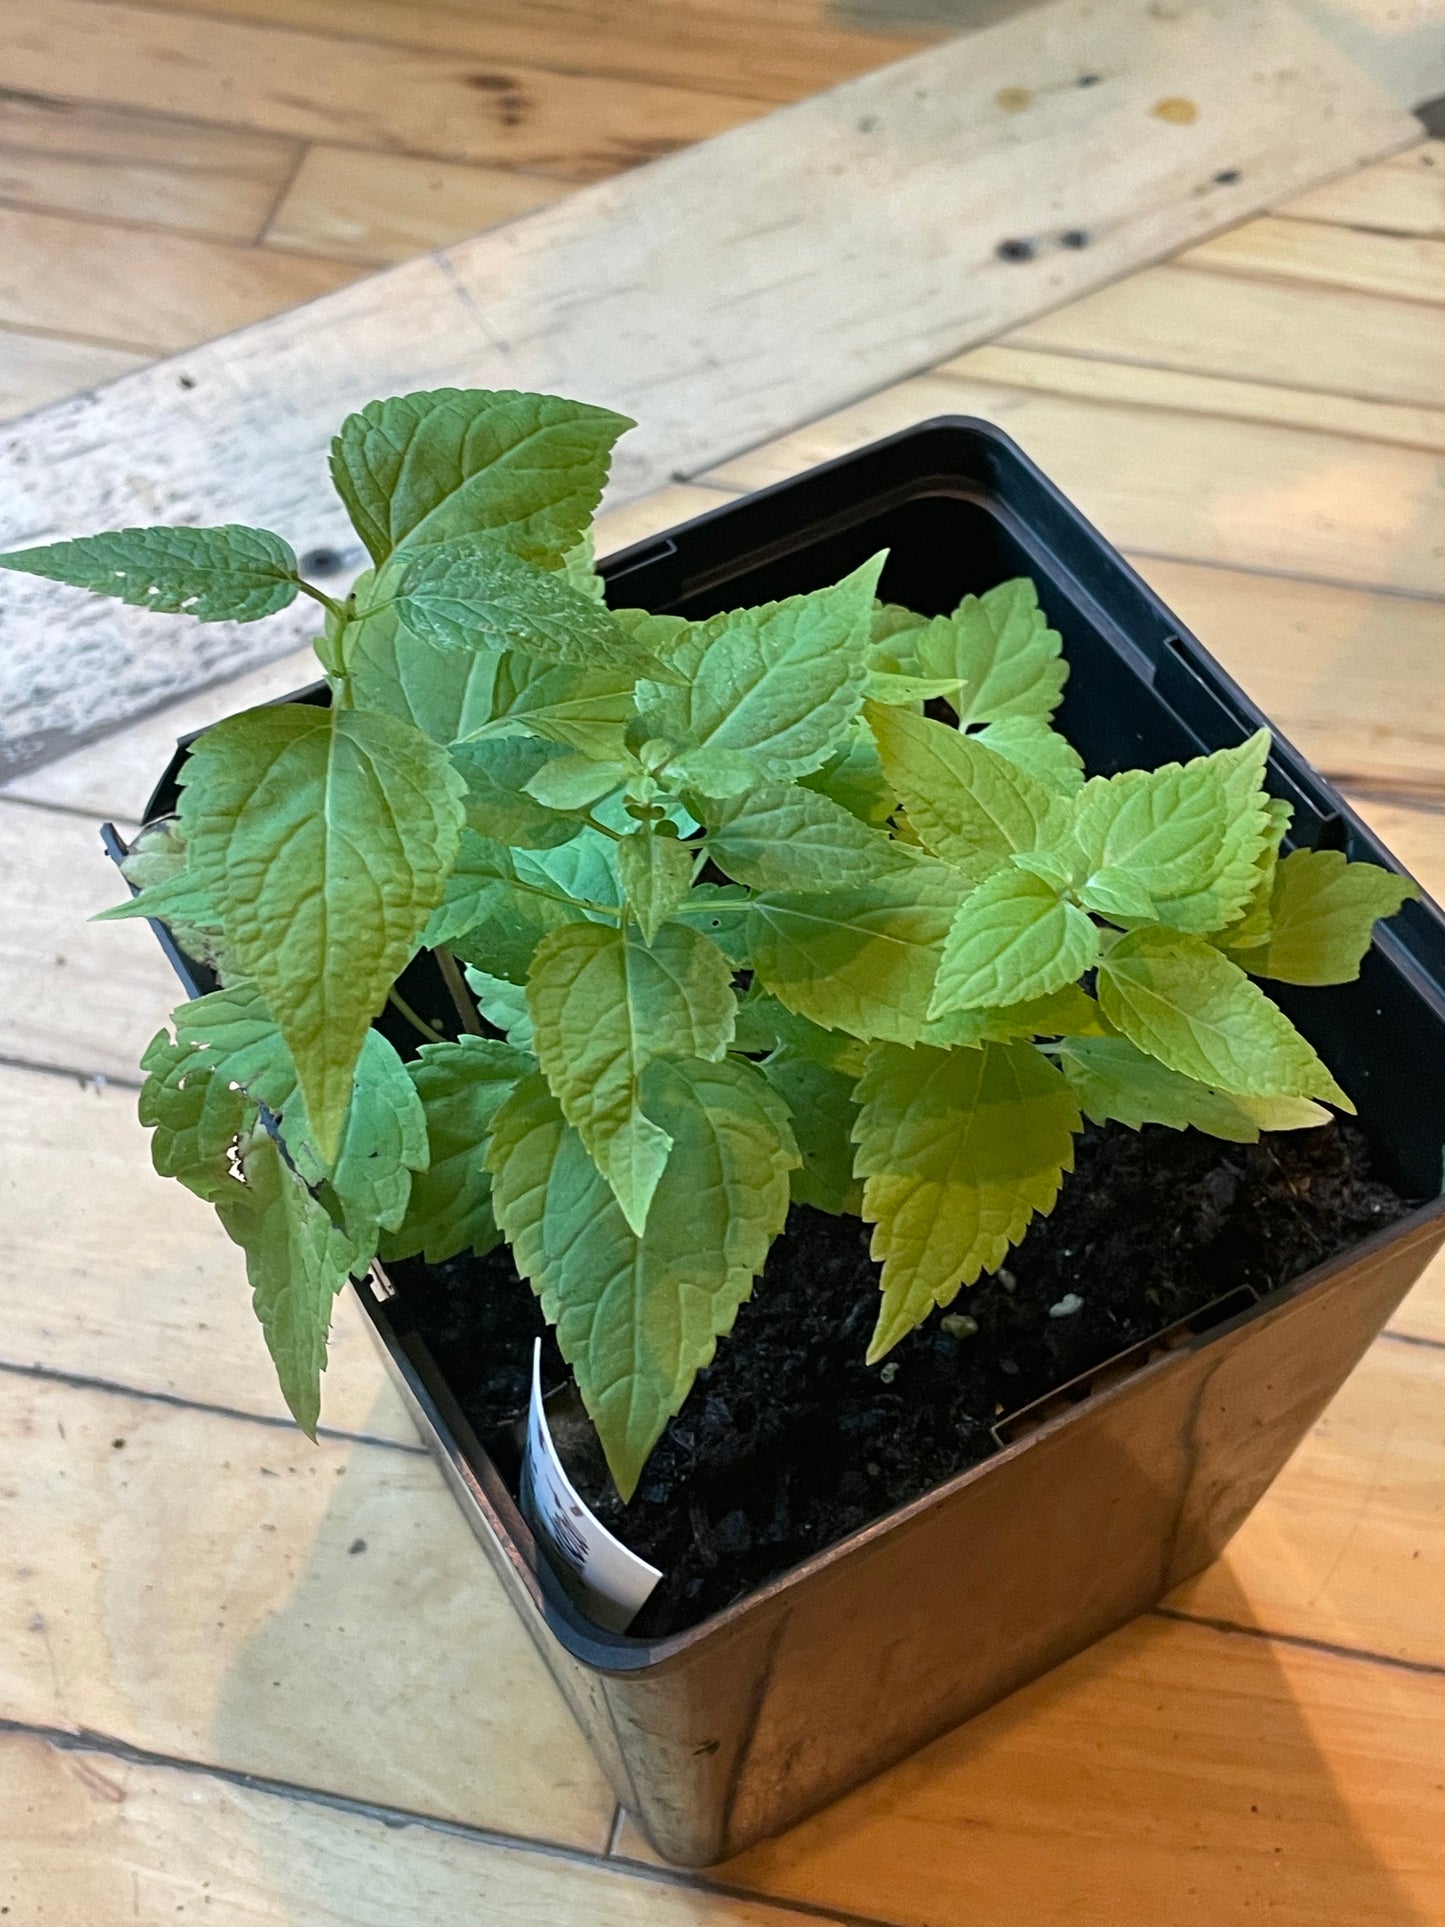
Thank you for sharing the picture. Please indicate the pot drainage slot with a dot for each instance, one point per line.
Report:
(1028, 1418)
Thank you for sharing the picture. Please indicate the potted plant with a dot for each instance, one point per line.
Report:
(747, 913)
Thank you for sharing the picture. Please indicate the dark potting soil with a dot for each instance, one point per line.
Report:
(788, 1441)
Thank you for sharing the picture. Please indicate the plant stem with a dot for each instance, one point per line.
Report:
(572, 903)
(591, 821)
(329, 603)
(432, 1035)
(460, 993)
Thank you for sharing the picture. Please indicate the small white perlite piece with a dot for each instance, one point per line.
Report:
(610, 1582)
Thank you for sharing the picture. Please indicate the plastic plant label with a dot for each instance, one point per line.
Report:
(609, 1582)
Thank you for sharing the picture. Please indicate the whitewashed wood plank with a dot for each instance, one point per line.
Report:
(1167, 388)
(112, 1272)
(1410, 267)
(1186, 486)
(1220, 324)
(682, 293)
(93, 1840)
(228, 1592)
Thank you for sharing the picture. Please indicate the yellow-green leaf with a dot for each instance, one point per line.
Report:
(1322, 914)
(1013, 938)
(655, 869)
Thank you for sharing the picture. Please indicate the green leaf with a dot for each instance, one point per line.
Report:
(495, 914)
(503, 1004)
(1069, 1012)
(711, 771)
(1002, 649)
(638, 1316)
(1156, 833)
(459, 1087)
(297, 1260)
(958, 1150)
(1013, 938)
(655, 869)
(893, 686)
(1253, 927)
(720, 911)
(604, 1007)
(891, 619)
(1035, 747)
(575, 782)
(765, 1025)
(861, 959)
(1322, 913)
(229, 574)
(820, 1104)
(1181, 1001)
(447, 693)
(496, 771)
(1249, 825)
(579, 565)
(383, 1145)
(853, 777)
(587, 709)
(423, 468)
(784, 837)
(470, 593)
(780, 684)
(1113, 1079)
(236, 1036)
(970, 805)
(325, 838)
(195, 1117)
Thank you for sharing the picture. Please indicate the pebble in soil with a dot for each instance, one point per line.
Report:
(789, 1442)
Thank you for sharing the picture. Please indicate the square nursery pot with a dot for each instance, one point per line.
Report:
(1105, 1495)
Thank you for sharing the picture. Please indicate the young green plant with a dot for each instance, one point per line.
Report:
(807, 903)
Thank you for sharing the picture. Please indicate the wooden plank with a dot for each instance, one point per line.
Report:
(151, 291)
(140, 169)
(1406, 266)
(1349, 1546)
(112, 1272)
(1422, 1316)
(278, 81)
(1144, 387)
(115, 776)
(95, 1840)
(380, 208)
(611, 293)
(1350, 676)
(35, 369)
(230, 1593)
(774, 52)
(1216, 324)
(1171, 1773)
(1392, 198)
(1195, 488)
(88, 996)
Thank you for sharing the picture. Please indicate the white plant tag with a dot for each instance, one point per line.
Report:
(609, 1581)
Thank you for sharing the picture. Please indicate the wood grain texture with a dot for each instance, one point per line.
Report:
(1190, 487)
(112, 1272)
(1407, 266)
(382, 208)
(1422, 1315)
(1404, 195)
(606, 293)
(776, 52)
(93, 1840)
(223, 1591)
(144, 291)
(280, 81)
(1171, 1773)
(1089, 379)
(140, 169)
(35, 369)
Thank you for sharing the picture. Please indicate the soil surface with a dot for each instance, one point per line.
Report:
(789, 1442)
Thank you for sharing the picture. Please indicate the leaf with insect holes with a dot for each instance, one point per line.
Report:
(1181, 1001)
(459, 1088)
(957, 1150)
(194, 1117)
(861, 959)
(524, 469)
(638, 1316)
(325, 838)
(468, 594)
(1113, 1079)
(605, 1006)
(780, 684)
(1013, 938)
(655, 869)
(229, 574)
(1322, 914)
(296, 1260)
(970, 805)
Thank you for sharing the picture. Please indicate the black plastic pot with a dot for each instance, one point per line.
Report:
(1100, 1501)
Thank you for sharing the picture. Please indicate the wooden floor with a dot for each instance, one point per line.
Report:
(248, 1680)
(175, 169)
